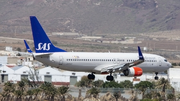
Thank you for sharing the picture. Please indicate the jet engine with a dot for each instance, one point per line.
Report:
(133, 72)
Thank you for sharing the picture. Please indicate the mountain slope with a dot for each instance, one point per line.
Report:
(91, 16)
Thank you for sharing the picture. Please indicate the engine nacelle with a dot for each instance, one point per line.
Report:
(133, 72)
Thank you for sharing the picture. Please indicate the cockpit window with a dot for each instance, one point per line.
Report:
(165, 60)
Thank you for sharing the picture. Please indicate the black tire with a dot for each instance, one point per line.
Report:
(109, 78)
(156, 77)
(91, 76)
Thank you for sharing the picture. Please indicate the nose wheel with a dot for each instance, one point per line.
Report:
(156, 77)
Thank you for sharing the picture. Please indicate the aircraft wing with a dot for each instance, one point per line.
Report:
(120, 67)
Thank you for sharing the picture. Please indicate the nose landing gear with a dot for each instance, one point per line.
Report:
(156, 77)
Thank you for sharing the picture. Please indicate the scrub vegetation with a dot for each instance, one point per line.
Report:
(150, 91)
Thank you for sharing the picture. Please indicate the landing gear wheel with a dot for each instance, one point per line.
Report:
(110, 78)
(156, 77)
(91, 76)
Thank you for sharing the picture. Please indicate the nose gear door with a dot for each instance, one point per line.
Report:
(160, 62)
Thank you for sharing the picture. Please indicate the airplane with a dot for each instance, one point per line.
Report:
(130, 64)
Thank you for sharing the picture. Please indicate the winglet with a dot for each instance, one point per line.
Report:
(140, 54)
(27, 47)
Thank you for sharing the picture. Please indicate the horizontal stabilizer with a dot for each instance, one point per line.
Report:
(27, 47)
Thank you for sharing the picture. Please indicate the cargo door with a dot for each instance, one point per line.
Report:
(60, 60)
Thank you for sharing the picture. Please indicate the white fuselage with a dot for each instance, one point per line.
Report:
(88, 62)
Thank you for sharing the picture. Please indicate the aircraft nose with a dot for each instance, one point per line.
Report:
(169, 65)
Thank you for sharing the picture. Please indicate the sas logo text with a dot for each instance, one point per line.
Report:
(45, 46)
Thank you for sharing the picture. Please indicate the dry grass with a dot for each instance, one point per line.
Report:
(166, 41)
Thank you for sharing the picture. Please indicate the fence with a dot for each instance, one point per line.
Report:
(125, 92)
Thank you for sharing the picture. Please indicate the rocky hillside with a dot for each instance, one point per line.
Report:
(90, 16)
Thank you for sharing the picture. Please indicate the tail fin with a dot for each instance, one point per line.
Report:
(41, 41)
(27, 47)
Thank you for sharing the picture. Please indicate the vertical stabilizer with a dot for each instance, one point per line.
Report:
(42, 43)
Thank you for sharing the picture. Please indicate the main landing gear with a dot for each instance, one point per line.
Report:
(108, 78)
(91, 76)
(156, 77)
